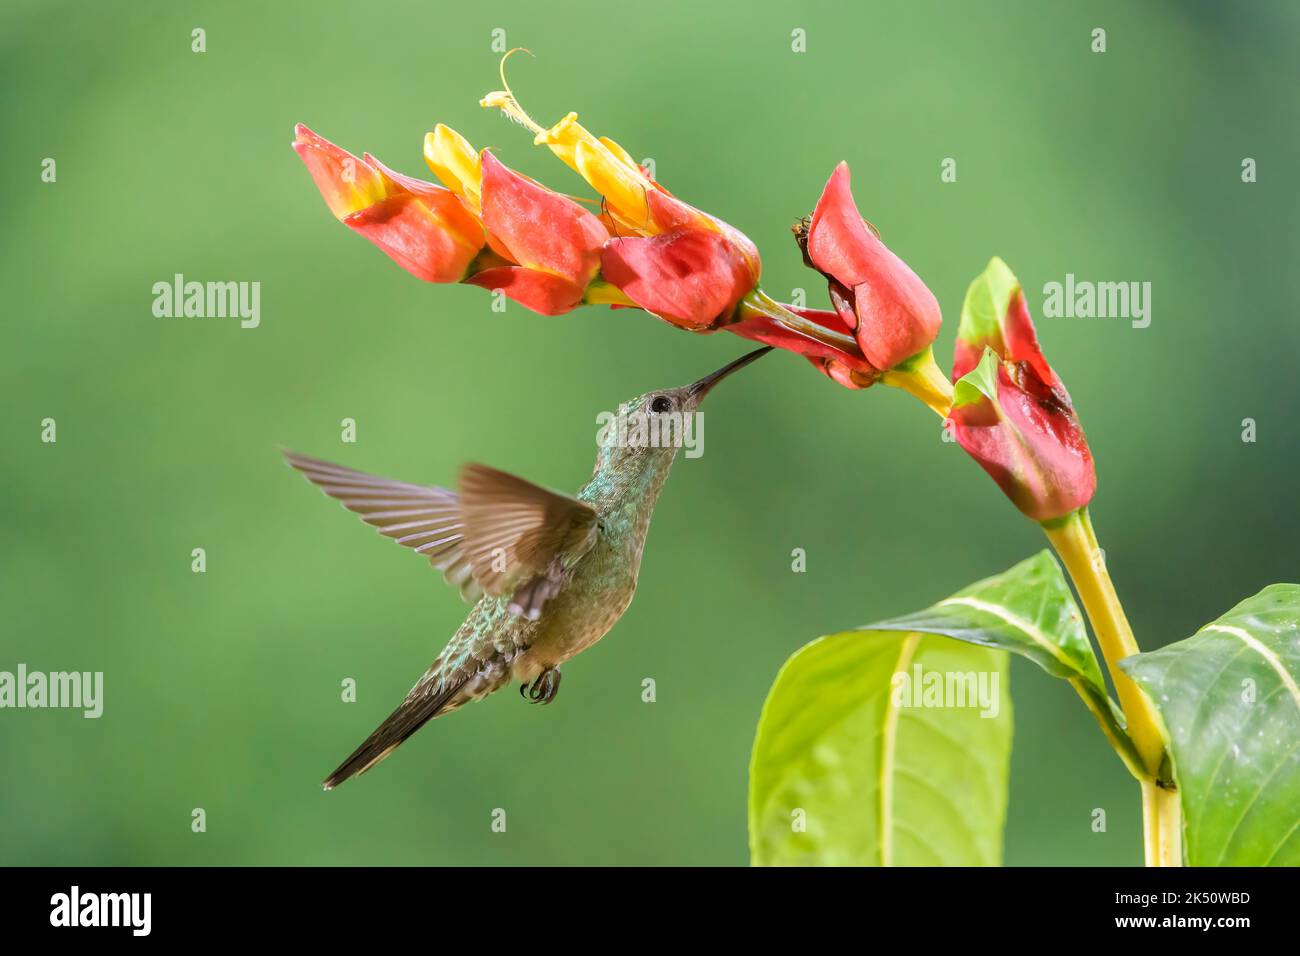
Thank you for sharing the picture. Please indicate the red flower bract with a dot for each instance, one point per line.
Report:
(691, 277)
(420, 226)
(555, 243)
(890, 311)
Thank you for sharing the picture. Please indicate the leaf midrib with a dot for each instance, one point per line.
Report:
(888, 744)
(1020, 624)
(1264, 651)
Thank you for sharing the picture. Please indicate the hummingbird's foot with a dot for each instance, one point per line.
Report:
(544, 688)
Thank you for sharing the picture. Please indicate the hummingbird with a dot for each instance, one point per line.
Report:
(550, 573)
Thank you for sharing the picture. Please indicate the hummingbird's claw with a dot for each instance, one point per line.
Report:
(544, 688)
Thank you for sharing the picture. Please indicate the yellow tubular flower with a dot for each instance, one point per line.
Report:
(624, 190)
(620, 153)
(604, 164)
(456, 163)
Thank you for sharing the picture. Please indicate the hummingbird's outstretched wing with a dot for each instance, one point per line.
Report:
(520, 538)
(421, 517)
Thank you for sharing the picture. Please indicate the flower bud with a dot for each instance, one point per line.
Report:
(1010, 410)
(890, 311)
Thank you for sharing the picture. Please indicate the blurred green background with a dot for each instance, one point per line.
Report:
(222, 690)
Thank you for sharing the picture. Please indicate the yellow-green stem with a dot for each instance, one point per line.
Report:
(1162, 825)
(1122, 745)
(920, 377)
(1075, 541)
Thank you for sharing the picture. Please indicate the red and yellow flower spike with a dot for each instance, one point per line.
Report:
(492, 227)
(667, 257)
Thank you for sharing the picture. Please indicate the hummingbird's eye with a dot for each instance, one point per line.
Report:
(661, 403)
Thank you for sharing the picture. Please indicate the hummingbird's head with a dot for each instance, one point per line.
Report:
(665, 403)
(647, 431)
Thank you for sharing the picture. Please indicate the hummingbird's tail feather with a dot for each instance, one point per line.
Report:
(414, 713)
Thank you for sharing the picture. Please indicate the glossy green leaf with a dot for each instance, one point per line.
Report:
(832, 747)
(843, 775)
(1228, 696)
(1029, 611)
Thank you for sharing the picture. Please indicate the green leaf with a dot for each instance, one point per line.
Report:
(831, 743)
(842, 775)
(988, 299)
(1229, 699)
(1030, 611)
(980, 384)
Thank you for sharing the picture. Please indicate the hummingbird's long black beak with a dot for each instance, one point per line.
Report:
(704, 385)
